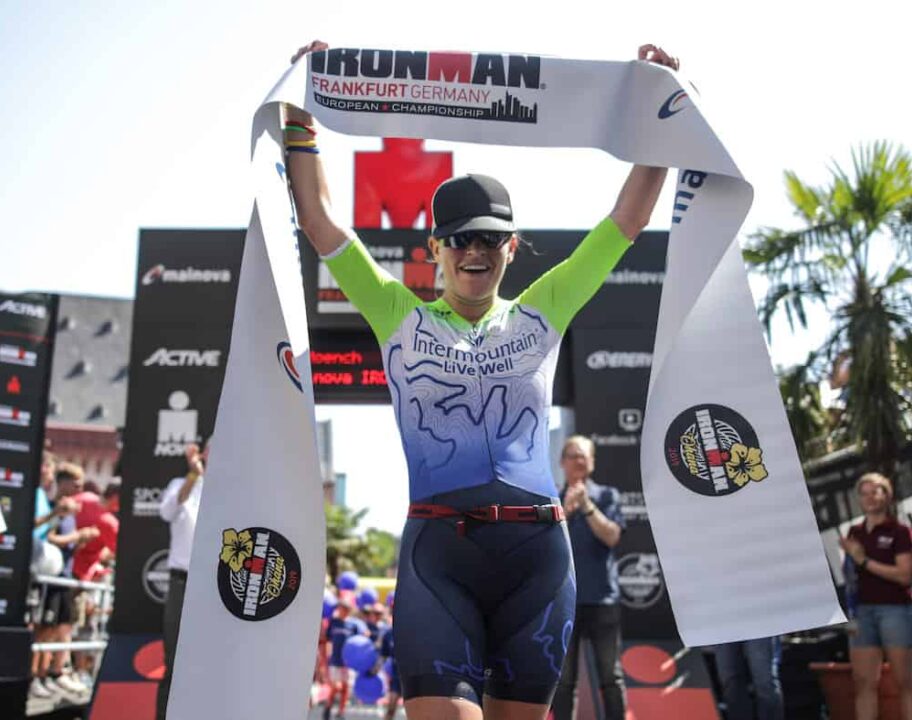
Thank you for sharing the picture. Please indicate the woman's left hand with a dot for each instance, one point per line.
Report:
(655, 54)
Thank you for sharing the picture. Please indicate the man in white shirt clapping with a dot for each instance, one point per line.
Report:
(179, 508)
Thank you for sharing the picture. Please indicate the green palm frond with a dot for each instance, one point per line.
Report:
(897, 275)
(879, 187)
(807, 201)
(775, 250)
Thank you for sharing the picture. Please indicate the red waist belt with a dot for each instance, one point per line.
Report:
(489, 514)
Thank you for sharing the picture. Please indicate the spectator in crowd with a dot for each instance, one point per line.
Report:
(179, 508)
(373, 618)
(47, 512)
(595, 523)
(881, 549)
(751, 663)
(58, 614)
(342, 627)
(111, 498)
(46, 558)
(90, 561)
(44, 512)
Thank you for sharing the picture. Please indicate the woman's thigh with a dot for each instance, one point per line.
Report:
(438, 628)
(530, 630)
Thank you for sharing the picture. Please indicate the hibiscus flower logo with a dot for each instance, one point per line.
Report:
(237, 547)
(713, 450)
(259, 572)
(745, 464)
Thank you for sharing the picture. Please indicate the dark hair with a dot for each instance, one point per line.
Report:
(525, 245)
(92, 487)
(112, 490)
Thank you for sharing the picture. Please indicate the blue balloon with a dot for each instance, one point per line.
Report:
(369, 688)
(359, 653)
(367, 597)
(347, 580)
(329, 604)
(389, 668)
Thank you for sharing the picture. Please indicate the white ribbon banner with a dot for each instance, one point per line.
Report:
(724, 488)
(741, 555)
(251, 617)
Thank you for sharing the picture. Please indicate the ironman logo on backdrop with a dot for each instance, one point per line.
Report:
(712, 450)
(258, 573)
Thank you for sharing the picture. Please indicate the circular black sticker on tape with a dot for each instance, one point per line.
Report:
(713, 451)
(258, 573)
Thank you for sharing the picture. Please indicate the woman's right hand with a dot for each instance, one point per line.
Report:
(293, 114)
(312, 46)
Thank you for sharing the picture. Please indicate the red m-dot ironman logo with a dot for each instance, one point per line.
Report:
(286, 360)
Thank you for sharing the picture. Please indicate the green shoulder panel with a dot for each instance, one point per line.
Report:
(562, 291)
(380, 298)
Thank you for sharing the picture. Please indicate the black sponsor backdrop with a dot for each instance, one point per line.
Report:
(616, 329)
(611, 347)
(181, 333)
(27, 325)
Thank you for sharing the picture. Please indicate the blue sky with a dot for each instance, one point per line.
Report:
(117, 116)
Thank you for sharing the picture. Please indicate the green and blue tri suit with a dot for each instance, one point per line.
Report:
(491, 612)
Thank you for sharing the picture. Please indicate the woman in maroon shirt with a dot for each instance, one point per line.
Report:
(882, 551)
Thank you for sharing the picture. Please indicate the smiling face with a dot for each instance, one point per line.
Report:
(471, 276)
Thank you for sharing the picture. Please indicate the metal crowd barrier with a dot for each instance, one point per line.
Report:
(92, 633)
(104, 593)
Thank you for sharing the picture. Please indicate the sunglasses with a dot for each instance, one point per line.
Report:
(490, 239)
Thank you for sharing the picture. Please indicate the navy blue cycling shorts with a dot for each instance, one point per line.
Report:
(488, 613)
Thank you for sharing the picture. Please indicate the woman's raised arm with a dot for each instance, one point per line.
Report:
(640, 192)
(308, 181)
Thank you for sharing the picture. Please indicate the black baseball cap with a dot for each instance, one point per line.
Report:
(471, 202)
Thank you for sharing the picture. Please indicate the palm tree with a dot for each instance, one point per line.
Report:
(371, 553)
(852, 257)
(345, 550)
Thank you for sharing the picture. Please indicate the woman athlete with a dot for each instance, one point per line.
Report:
(485, 596)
